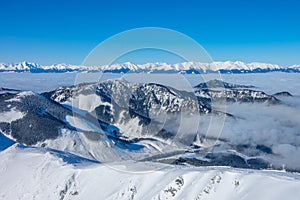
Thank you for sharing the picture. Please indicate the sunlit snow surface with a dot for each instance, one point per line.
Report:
(34, 173)
(28, 173)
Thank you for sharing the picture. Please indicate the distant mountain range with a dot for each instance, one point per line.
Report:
(186, 67)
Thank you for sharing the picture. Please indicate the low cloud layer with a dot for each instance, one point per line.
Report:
(274, 126)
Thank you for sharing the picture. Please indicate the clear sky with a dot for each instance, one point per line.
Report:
(60, 31)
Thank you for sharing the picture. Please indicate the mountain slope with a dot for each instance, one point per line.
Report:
(34, 120)
(121, 103)
(217, 90)
(27, 117)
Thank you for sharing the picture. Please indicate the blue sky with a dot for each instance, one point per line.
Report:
(66, 31)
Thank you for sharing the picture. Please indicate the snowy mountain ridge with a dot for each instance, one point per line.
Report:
(44, 174)
(158, 67)
(122, 120)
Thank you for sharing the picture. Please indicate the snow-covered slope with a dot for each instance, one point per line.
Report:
(186, 67)
(126, 104)
(33, 173)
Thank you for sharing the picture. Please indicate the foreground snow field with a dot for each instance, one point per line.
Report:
(32, 173)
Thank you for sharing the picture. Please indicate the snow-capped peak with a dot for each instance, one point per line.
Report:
(22, 66)
(185, 67)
